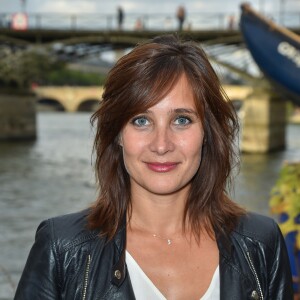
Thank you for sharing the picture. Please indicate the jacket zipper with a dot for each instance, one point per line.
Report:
(86, 277)
(255, 276)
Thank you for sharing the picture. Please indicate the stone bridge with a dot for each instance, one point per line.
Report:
(69, 98)
(72, 99)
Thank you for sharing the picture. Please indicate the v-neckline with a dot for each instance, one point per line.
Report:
(208, 292)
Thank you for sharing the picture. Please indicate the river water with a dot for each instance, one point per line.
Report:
(54, 175)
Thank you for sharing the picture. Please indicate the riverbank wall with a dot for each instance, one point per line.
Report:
(17, 116)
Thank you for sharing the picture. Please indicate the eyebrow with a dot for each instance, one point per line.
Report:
(184, 111)
(178, 111)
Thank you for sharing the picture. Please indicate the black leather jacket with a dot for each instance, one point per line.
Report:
(67, 261)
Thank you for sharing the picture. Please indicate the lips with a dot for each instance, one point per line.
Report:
(162, 167)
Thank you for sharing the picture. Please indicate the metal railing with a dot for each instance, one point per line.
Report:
(194, 21)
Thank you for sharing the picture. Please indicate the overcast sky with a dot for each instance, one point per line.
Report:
(143, 6)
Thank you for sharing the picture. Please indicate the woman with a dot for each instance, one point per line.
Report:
(163, 226)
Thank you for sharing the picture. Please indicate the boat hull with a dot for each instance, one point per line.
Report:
(275, 50)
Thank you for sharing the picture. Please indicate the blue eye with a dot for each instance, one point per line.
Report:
(140, 121)
(182, 121)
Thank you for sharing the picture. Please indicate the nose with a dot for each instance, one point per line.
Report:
(162, 141)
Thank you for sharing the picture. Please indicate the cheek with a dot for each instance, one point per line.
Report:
(194, 156)
(191, 146)
(133, 147)
(133, 142)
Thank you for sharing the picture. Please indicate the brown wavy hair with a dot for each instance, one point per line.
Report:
(138, 81)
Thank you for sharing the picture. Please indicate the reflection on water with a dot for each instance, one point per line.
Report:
(260, 171)
(54, 175)
(49, 177)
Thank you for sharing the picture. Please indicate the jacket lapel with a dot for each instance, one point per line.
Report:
(234, 281)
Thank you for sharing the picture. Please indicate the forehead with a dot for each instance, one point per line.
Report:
(180, 96)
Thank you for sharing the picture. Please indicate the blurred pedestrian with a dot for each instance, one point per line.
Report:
(120, 16)
(138, 24)
(180, 17)
(231, 22)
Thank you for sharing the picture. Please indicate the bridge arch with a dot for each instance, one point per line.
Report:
(50, 104)
(88, 105)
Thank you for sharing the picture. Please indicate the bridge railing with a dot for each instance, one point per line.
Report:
(194, 21)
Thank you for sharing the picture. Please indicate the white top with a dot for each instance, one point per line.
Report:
(144, 289)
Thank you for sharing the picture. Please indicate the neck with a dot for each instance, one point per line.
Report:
(159, 214)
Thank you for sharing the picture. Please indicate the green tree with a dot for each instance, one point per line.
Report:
(20, 68)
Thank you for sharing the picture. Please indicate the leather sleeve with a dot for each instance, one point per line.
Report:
(281, 287)
(39, 279)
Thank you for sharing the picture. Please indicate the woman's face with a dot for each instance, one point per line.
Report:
(162, 146)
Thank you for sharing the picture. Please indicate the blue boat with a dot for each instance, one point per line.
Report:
(275, 49)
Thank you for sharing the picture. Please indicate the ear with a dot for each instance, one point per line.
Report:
(120, 140)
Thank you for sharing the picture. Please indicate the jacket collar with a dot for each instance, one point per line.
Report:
(119, 267)
(224, 244)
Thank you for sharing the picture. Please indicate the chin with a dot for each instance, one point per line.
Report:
(164, 190)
